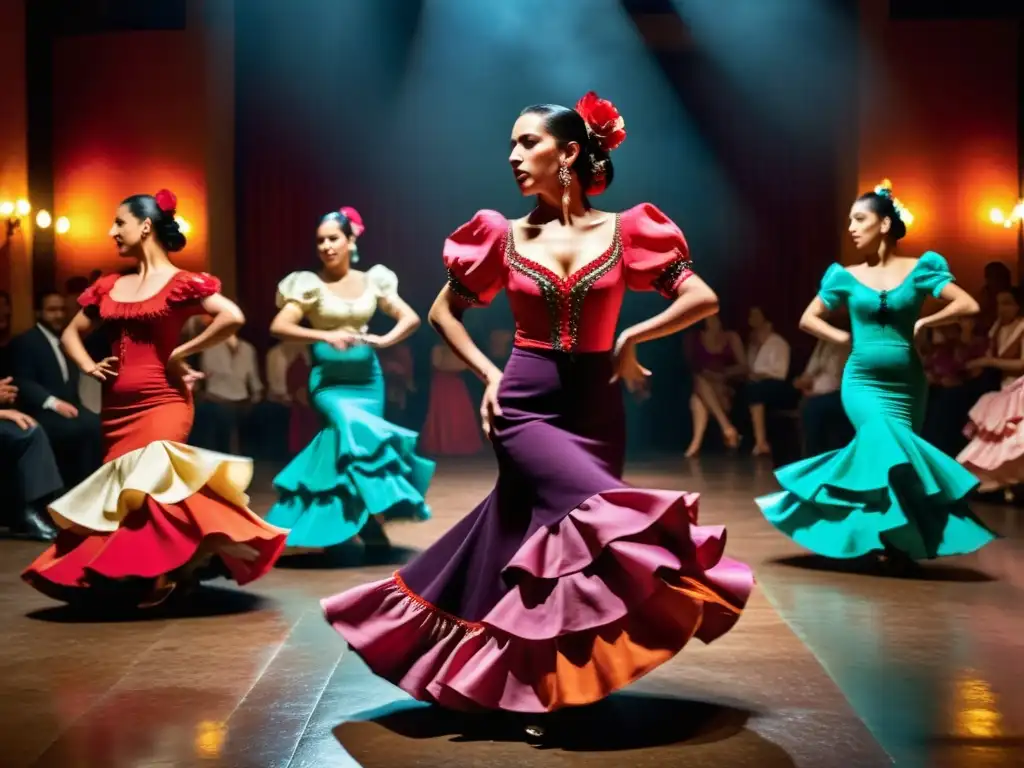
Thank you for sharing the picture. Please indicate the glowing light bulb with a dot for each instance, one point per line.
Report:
(43, 219)
(183, 225)
(23, 207)
(63, 225)
(996, 216)
(7, 208)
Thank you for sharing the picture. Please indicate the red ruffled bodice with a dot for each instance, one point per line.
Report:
(578, 313)
(142, 335)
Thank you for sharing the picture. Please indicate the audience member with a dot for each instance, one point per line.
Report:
(48, 391)
(767, 368)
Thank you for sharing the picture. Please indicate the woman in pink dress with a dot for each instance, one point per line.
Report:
(995, 453)
(716, 357)
(565, 583)
(451, 428)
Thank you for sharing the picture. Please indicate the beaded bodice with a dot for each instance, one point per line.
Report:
(579, 312)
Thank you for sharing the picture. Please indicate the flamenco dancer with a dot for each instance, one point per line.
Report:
(565, 583)
(995, 452)
(158, 510)
(889, 494)
(359, 468)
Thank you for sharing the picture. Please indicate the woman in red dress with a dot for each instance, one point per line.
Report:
(158, 510)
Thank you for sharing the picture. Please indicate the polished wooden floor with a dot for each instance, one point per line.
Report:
(826, 668)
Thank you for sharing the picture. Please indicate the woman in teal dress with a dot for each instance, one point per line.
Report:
(359, 468)
(888, 494)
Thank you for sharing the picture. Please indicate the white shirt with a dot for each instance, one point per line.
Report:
(51, 401)
(279, 360)
(771, 359)
(825, 368)
(231, 375)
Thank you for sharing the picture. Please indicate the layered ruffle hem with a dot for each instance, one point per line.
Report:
(363, 466)
(147, 513)
(886, 488)
(617, 588)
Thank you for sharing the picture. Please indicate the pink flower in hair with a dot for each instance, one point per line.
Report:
(354, 219)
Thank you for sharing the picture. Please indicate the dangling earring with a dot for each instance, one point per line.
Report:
(565, 179)
(353, 254)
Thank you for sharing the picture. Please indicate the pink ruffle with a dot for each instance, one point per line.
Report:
(996, 451)
(997, 414)
(618, 588)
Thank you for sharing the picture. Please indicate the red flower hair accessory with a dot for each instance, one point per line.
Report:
(354, 219)
(603, 120)
(166, 201)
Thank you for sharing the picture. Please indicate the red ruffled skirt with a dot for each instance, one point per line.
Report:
(153, 508)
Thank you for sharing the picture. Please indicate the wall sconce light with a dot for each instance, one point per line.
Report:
(183, 225)
(1007, 220)
(14, 212)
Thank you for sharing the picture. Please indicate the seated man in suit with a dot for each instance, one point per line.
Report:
(48, 392)
(28, 472)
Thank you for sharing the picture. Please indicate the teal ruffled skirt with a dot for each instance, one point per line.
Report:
(888, 489)
(358, 465)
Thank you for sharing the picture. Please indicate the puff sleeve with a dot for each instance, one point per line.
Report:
(832, 290)
(91, 297)
(475, 259)
(193, 287)
(383, 281)
(302, 288)
(931, 274)
(656, 255)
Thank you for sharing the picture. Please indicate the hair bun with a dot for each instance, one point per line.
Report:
(170, 235)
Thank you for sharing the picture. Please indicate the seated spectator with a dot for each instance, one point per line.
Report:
(767, 369)
(716, 359)
(29, 477)
(48, 391)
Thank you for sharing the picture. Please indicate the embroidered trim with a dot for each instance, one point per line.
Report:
(460, 290)
(443, 615)
(546, 280)
(667, 282)
(564, 296)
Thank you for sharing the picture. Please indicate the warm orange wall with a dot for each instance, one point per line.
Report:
(131, 115)
(939, 117)
(16, 267)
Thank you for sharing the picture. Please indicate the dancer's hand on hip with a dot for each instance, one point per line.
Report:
(107, 367)
(185, 373)
(341, 340)
(627, 367)
(489, 408)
